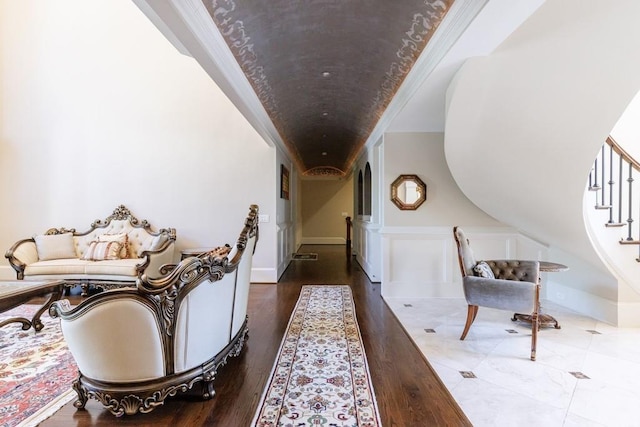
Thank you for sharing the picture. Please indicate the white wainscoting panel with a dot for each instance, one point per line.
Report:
(286, 247)
(367, 248)
(424, 258)
(422, 262)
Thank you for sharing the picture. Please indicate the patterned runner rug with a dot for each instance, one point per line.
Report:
(320, 376)
(36, 370)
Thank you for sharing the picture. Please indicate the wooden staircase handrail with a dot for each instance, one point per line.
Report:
(621, 151)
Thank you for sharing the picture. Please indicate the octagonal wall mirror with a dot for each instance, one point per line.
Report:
(408, 192)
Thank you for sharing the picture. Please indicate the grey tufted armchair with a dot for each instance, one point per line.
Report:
(506, 285)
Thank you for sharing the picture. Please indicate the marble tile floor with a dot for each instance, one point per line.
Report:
(586, 374)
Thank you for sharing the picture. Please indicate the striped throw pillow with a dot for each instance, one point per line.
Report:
(482, 269)
(101, 251)
(121, 238)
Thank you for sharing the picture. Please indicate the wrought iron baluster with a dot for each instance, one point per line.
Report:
(620, 190)
(611, 183)
(630, 219)
(595, 187)
(602, 175)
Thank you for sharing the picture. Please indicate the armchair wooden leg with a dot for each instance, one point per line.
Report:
(534, 335)
(535, 323)
(472, 312)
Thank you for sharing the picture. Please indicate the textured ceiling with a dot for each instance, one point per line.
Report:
(325, 70)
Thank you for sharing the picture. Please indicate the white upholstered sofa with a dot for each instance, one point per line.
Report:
(113, 253)
(136, 347)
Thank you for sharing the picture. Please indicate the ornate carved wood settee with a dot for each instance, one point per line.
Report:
(136, 347)
(113, 253)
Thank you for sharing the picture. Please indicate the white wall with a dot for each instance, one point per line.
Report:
(98, 109)
(419, 258)
(532, 116)
(422, 154)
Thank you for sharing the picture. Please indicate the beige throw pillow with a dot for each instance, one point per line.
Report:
(55, 246)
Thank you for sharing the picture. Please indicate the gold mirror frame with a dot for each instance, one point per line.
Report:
(399, 195)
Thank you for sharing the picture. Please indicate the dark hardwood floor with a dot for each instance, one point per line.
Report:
(407, 390)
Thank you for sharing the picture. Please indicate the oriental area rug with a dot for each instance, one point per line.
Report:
(320, 376)
(36, 370)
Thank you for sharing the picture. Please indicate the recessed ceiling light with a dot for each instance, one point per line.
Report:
(326, 74)
(325, 114)
(324, 153)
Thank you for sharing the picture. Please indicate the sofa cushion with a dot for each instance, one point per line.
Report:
(74, 268)
(55, 246)
(120, 267)
(100, 251)
(57, 266)
(121, 238)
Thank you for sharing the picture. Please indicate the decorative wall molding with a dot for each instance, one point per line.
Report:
(324, 171)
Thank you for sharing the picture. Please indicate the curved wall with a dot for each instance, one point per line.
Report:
(525, 123)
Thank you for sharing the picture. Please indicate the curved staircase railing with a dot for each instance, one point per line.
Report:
(612, 178)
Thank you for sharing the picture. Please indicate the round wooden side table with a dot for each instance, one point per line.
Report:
(544, 320)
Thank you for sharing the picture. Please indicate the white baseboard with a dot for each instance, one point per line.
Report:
(264, 275)
(585, 303)
(324, 241)
(368, 269)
